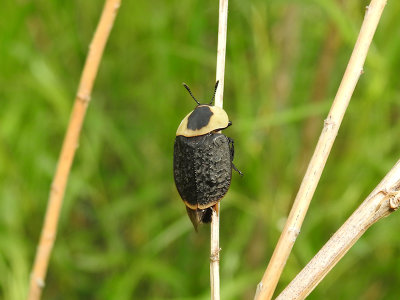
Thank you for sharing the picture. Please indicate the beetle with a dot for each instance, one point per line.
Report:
(203, 159)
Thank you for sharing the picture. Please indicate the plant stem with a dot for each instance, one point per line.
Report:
(214, 257)
(222, 31)
(220, 74)
(382, 201)
(266, 287)
(69, 147)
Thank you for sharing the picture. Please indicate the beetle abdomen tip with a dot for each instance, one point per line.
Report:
(199, 216)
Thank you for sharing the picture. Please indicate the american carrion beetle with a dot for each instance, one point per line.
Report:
(203, 159)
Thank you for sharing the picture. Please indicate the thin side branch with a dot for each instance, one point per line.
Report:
(382, 201)
(220, 75)
(266, 287)
(69, 147)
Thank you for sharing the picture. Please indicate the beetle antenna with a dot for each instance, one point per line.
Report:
(190, 92)
(215, 91)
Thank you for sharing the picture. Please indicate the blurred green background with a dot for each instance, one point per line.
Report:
(124, 232)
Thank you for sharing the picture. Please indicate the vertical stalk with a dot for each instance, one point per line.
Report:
(221, 53)
(214, 257)
(220, 74)
(71, 141)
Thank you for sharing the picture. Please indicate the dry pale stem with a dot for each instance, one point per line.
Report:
(382, 201)
(214, 257)
(221, 53)
(332, 123)
(220, 74)
(69, 147)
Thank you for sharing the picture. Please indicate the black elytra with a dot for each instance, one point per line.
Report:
(203, 162)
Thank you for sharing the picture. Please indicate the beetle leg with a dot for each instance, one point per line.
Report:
(237, 170)
(231, 147)
(232, 150)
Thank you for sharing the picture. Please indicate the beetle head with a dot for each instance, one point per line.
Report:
(204, 119)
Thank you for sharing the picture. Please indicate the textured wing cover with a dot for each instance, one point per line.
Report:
(202, 168)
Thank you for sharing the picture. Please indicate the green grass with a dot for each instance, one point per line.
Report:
(124, 233)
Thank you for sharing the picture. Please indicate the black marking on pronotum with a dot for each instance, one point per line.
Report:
(199, 118)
